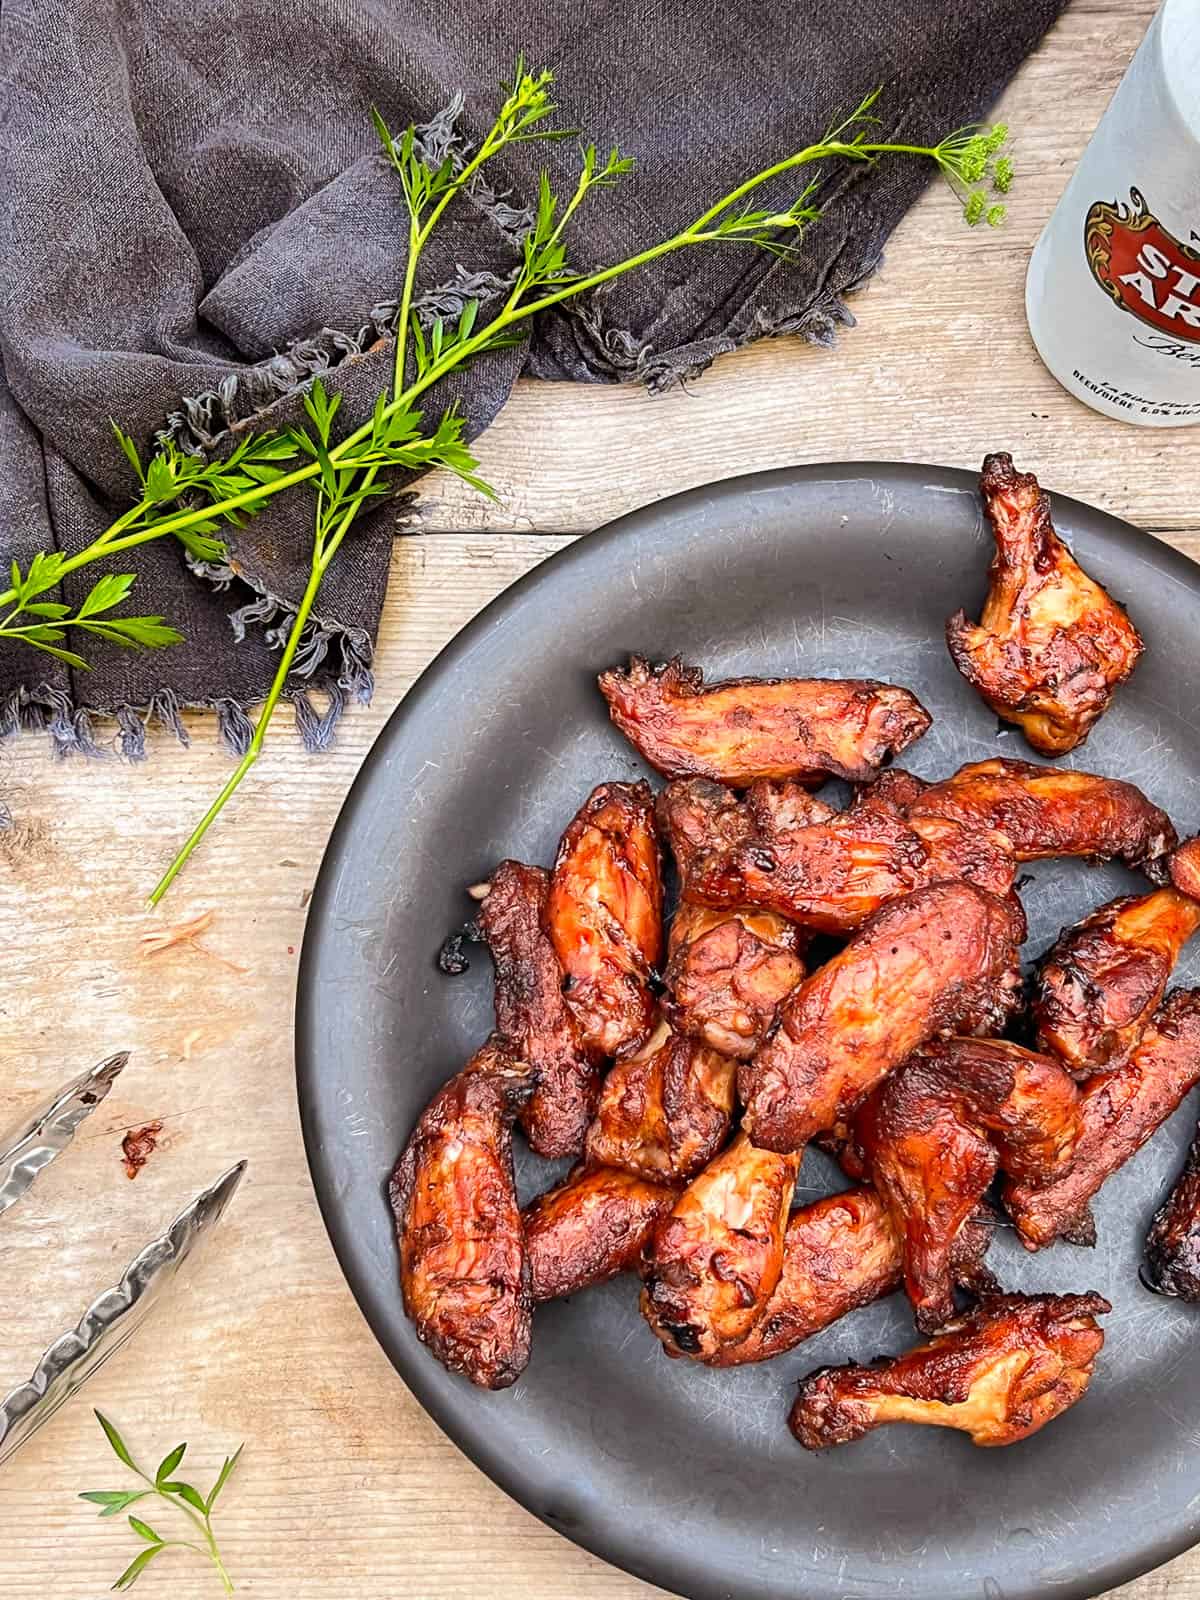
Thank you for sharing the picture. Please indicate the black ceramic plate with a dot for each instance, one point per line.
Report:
(687, 1477)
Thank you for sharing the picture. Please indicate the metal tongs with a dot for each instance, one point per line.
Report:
(116, 1314)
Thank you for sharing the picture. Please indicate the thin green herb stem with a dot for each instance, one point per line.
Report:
(264, 717)
(203, 1526)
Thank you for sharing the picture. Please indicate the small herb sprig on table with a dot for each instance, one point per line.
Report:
(183, 1497)
(345, 473)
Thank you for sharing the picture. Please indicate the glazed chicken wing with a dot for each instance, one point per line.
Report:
(727, 973)
(1098, 987)
(713, 1262)
(829, 877)
(604, 916)
(999, 1375)
(589, 1229)
(664, 1112)
(832, 874)
(748, 728)
(463, 1269)
(1119, 1110)
(932, 1136)
(915, 970)
(838, 1254)
(1184, 868)
(532, 1015)
(1052, 645)
(1173, 1244)
(1051, 811)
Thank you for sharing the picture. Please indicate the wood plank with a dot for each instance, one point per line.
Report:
(347, 1488)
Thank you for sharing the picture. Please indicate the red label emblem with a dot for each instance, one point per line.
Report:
(1144, 269)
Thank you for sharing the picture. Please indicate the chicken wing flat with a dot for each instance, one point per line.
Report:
(831, 876)
(999, 1375)
(589, 1229)
(932, 1136)
(1119, 1110)
(1098, 987)
(915, 970)
(1173, 1243)
(714, 1261)
(1049, 811)
(748, 728)
(463, 1268)
(604, 916)
(727, 973)
(838, 1254)
(532, 1015)
(1052, 645)
(664, 1112)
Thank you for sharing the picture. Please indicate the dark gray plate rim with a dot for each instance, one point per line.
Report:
(479, 1438)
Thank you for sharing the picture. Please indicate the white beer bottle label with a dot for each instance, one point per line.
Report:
(1113, 291)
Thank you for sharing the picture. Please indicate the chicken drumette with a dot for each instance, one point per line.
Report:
(999, 1375)
(665, 1111)
(934, 1134)
(726, 974)
(604, 916)
(463, 1268)
(748, 728)
(920, 967)
(713, 1262)
(1052, 645)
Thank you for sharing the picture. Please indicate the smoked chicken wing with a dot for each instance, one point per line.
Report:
(915, 970)
(1099, 986)
(838, 1254)
(933, 1135)
(590, 1228)
(713, 1262)
(1119, 1110)
(1173, 1244)
(832, 874)
(1184, 868)
(463, 1268)
(1053, 811)
(1052, 645)
(531, 1013)
(665, 1111)
(604, 916)
(999, 1375)
(727, 973)
(748, 728)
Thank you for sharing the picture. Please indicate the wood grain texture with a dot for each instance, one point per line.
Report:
(347, 1489)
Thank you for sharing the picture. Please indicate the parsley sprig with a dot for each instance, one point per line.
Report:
(190, 500)
(167, 1486)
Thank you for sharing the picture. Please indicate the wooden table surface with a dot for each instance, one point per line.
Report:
(347, 1489)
